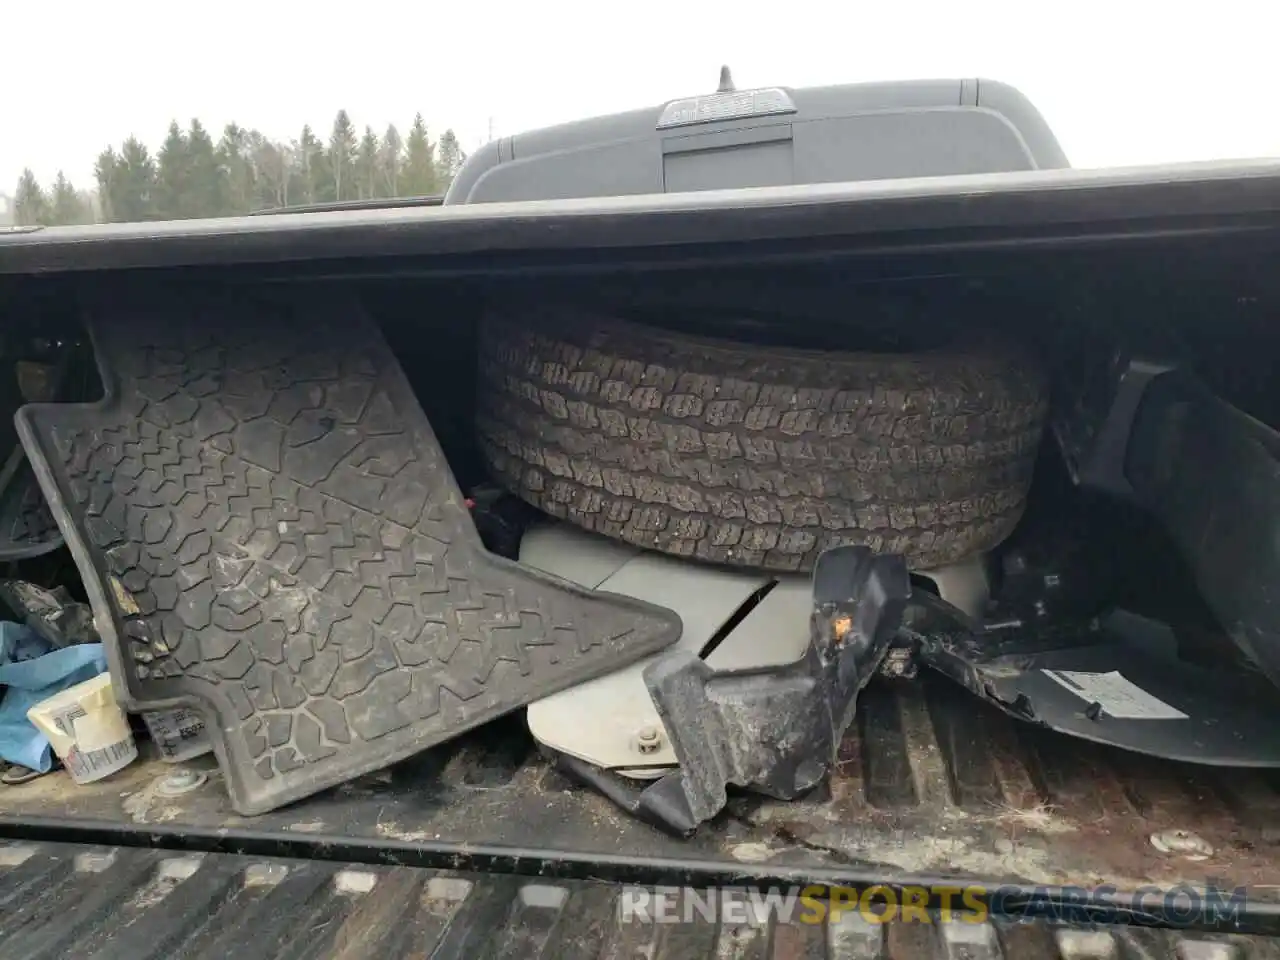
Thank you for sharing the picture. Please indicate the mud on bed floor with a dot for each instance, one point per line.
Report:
(931, 783)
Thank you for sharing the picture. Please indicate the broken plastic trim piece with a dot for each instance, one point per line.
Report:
(1119, 681)
(773, 730)
(1210, 473)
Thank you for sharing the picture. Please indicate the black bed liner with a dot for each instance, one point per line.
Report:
(932, 786)
(98, 902)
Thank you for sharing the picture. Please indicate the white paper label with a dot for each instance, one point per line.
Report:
(1116, 696)
(86, 766)
(66, 721)
(179, 733)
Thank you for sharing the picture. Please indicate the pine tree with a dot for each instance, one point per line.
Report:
(297, 186)
(191, 176)
(135, 183)
(66, 205)
(272, 165)
(418, 179)
(303, 147)
(391, 161)
(342, 157)
(30, 204)
(89, 204)
(367, 180)
(451, 158)
(235, 161)
(173, 175)
(313, 162)
(207, 187)
(104, 172)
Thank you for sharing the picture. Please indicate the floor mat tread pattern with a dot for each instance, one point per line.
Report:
(263, 508)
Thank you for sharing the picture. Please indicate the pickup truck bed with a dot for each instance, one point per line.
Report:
(145, 904)
(933, 786)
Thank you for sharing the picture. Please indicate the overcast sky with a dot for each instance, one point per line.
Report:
(1126, 81)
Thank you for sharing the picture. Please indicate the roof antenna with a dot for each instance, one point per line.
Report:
(726, 81)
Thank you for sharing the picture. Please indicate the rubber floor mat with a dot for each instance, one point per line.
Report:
(27, 527)
(295, 556)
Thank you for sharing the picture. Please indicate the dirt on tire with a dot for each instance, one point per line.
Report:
(757, 456)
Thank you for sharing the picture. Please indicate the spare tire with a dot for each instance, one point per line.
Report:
(752, 455)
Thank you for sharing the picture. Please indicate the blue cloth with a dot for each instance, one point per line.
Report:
(20, 642)
(34, 671)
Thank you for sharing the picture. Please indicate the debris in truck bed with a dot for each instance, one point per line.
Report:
(54, 614)
(32, 671)
(930, 782)
(87, 728)
(1209, 472)
(775, 730)
(734, 618)
(1117, 680)
(179, 733)
(263, 482)
(756, 693)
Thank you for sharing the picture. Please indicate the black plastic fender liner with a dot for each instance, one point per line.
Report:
(1118, 679)
(295, 556)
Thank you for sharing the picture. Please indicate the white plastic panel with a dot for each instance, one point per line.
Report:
(599, 721)
(582, 558)
(963, 585)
